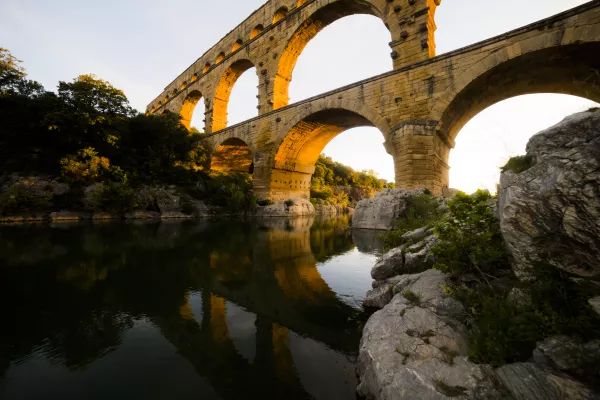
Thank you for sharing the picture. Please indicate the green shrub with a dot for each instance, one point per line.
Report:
(412, 297)
(470, 238)
(518, 164)
(113, 197)
(289, 203)
(423, 210)
(594, 109)
(19, 199)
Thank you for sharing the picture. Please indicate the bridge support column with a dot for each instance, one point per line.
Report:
(420, 155)
(414, 32)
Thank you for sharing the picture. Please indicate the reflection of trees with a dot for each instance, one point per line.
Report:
(75, 306)
(329, 237)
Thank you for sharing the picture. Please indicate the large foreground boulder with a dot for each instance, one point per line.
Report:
(551, 211)
(416, 347)
(384, 209)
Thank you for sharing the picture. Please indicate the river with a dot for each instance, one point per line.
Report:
(203, 309)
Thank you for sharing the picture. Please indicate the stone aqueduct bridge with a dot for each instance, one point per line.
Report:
(420, 106)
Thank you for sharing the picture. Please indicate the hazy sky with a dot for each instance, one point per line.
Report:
(141, 46)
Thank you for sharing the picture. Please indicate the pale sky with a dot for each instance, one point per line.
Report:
(141, 46)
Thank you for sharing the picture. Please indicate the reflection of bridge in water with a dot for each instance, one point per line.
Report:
(243, 303)
(278, 282)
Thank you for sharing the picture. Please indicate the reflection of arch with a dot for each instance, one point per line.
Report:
(256, 31)
(571, 69)
(233, 155)
(189, 105)
(223, 91)
(305, 33)
(298, 151)
(280, 14)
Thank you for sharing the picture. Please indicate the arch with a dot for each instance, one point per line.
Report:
(187, 109)
(297, 152)
(206, 68)
(256, 31)
(305, 33)
(280, 14)
(233, 155)
(223, 92)
(301, 3)
(220, 58)
(568, 69)
(236, 46)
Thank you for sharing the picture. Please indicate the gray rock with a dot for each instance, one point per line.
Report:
(298, 207)
(383, 210)
(570, 355)
(595, 303)
(389, 265)
(416, 235)
(416, 349)
(379, 296)
(529, 381)
(418, 258)
(69, 216)
(551, 211)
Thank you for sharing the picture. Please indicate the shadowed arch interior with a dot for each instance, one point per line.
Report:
(189, 104)
(571, 69)
(223, 92)
(232, 156)
(294, 162)
(304, 34)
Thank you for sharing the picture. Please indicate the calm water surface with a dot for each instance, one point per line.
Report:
(182, 310)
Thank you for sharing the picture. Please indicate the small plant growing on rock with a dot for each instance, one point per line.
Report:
(412, 297)
(518, 164)
(289, 203)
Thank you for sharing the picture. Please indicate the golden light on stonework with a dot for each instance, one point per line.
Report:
(220, 58)
(206, 68)
(237, 45)
(256, 31)
(280, 14)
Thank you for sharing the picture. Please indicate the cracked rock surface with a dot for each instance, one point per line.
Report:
(551, 211)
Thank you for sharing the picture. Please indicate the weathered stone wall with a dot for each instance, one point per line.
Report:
(419, 107)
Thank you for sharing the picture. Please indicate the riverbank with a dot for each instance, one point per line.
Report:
(491, 298)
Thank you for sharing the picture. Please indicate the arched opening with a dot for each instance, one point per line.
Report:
(256, 31)
(240, 107)
(315, 24)
(189, 118)
(280, 14)
(220, 58)
(206, 68)
(232, 156)
(301, 2)
(298, 152)
(502, 131)
(238, 43)
(568, 70)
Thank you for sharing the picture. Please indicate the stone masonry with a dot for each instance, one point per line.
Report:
(419, 106)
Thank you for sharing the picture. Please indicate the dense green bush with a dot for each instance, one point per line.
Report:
(113, 197)
(423, 210)
(470, 238)
(20, 199)
(501, 329)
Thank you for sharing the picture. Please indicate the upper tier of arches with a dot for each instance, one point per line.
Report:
(273, 37)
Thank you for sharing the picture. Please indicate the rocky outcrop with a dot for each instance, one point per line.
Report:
(329, 210)
(412, 257)
(595, 303)
(296, 207)
(570, 355)
(551, 211)
(416, 347)
(529, 381)
(383, 210)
